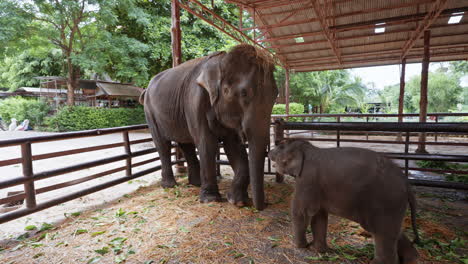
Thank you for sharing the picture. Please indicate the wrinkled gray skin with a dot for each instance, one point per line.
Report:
(357, 184)
(222, 97)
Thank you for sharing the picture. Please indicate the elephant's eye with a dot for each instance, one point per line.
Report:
(243, 93)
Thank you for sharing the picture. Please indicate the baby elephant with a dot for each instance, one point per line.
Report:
(357, 184)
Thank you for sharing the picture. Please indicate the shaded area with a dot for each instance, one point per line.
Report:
(171, 226)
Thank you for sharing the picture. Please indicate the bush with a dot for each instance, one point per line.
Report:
(21, 108)
(463, 178)
(294, 109)
(84, 118)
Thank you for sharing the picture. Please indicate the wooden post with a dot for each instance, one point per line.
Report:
(402, 91)
(176, 60)
(175, 34)
(423, 99)
(286, 93)
(26, 161)
(241, 11)
(128, 151)
(278, 136)
(401, 98)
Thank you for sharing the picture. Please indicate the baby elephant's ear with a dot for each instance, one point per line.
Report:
(296, 162)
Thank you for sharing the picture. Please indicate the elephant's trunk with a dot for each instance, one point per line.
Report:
(258, 138)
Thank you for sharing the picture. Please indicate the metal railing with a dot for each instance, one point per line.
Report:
(406, 128)
(435, 117)
(29, 177)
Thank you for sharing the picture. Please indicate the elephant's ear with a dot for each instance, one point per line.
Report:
(210, 76)
(296, 162)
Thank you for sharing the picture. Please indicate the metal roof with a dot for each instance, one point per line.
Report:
(117, 90)
(336, 34)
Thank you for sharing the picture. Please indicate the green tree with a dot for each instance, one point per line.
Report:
(444, 92)
(330, 90)
(20, 69)
(84, 30)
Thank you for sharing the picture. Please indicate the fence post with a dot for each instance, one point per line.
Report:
(406, 152)
(338, 119)
(180, 166)
(26, 158)
(218, 159)
(437, 121)
(278, 137)
(367, 133)
(128, 151)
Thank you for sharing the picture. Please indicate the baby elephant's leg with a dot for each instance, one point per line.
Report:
(319, 225)
(406, 251)
(385, 249)
(300, 223)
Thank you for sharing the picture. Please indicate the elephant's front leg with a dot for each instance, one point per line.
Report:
(237, 155)
(300, 223)
(319, 226)
(209, 187)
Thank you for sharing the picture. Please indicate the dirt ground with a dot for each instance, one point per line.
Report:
(139, 222)
(155, 225)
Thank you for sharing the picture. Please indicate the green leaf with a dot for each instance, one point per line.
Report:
(102, 251)
(120, 258)
(97, 233)
(36, 245)
(274, 239)
(184, 229)
(94, 260)
(350, 257)
(30, 227)
(120, 213)
(46, 226)
(80, 231)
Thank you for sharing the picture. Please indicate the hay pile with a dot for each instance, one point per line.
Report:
(154, 225)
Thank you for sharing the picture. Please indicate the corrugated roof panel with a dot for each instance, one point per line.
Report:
(351, 24)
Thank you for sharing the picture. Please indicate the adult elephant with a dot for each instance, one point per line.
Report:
(221, 97)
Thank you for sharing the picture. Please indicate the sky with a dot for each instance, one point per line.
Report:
(382, 76)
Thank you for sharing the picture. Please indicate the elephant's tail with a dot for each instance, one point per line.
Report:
(142, 97)
(412, 204)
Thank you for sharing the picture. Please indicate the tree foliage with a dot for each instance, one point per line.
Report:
(444, 93)
(128, 40)
(331, 91)
(22, 108)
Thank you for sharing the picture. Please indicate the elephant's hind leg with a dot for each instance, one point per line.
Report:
(385, 248)
(164, 149)
(193, 163)
(407, 253)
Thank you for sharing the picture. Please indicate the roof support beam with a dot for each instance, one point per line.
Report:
(436, 9)
(375, 62)
(423, 95)
(387, 32)
(320, 13)
(201, 11)
(369, 44)
(394, 20)
(401, 97)
(377, 53)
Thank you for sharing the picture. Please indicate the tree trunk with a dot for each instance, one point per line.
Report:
(72, 82)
